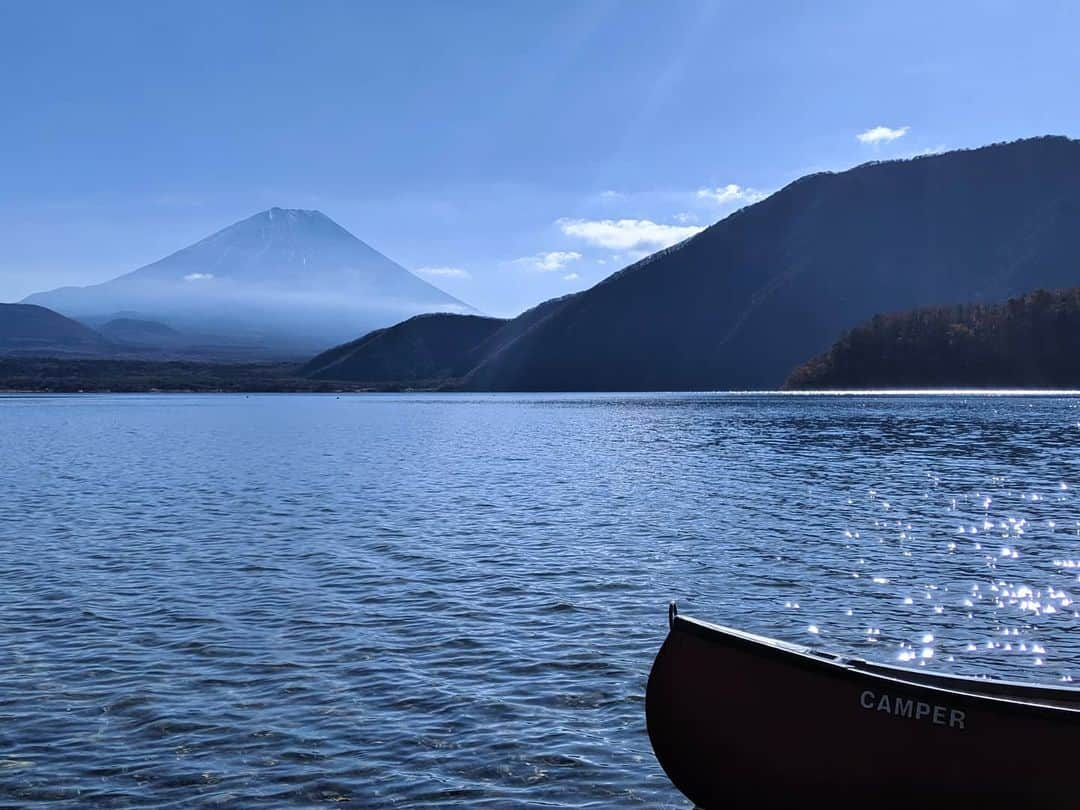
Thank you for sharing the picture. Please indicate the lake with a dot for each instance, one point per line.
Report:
(425, 600)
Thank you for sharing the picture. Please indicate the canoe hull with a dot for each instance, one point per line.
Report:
(738, 722)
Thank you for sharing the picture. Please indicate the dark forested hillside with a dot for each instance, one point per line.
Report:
(1027, 342)
(741, 303)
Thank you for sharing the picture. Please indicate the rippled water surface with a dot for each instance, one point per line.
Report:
(424, 600)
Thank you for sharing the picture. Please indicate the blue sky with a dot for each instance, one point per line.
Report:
(510, 152)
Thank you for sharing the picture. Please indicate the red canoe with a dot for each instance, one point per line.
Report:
(738, 720)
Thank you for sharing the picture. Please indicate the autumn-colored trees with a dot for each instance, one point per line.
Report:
(1030, 342)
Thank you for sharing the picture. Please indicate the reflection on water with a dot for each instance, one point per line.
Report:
(420, 600)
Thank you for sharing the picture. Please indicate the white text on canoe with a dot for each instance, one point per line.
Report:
(912, 709)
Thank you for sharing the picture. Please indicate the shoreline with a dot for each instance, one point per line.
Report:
(53, 375)
(394, 389)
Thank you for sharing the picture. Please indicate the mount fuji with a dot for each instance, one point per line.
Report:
(285, 281)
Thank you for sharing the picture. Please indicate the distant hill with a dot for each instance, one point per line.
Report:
(290, 280)
(390, 355)
(426, 347)
(31, 330)
(136, 331)
(1027, 342)
(743, 302)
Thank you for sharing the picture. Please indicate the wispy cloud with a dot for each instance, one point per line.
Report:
(731, 193)
(930, 150)
(571, 277)
(444, 272)
(552, 260)
(198, 276)
(626, 234)
(882, 134)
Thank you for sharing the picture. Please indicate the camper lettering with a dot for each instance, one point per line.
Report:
(912, 709)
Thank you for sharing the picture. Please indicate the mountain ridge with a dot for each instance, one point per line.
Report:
(741, 303)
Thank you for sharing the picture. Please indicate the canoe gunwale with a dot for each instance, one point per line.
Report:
(1025, 697)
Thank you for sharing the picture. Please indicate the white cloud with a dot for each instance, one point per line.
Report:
(198, 276)
(686, 216)
(882, 134)
(444, 272)
(552, 260)
(610, 195)
(626, 234)
(571, 277)
(731, 193)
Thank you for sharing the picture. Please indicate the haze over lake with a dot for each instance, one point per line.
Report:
(396, 600)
